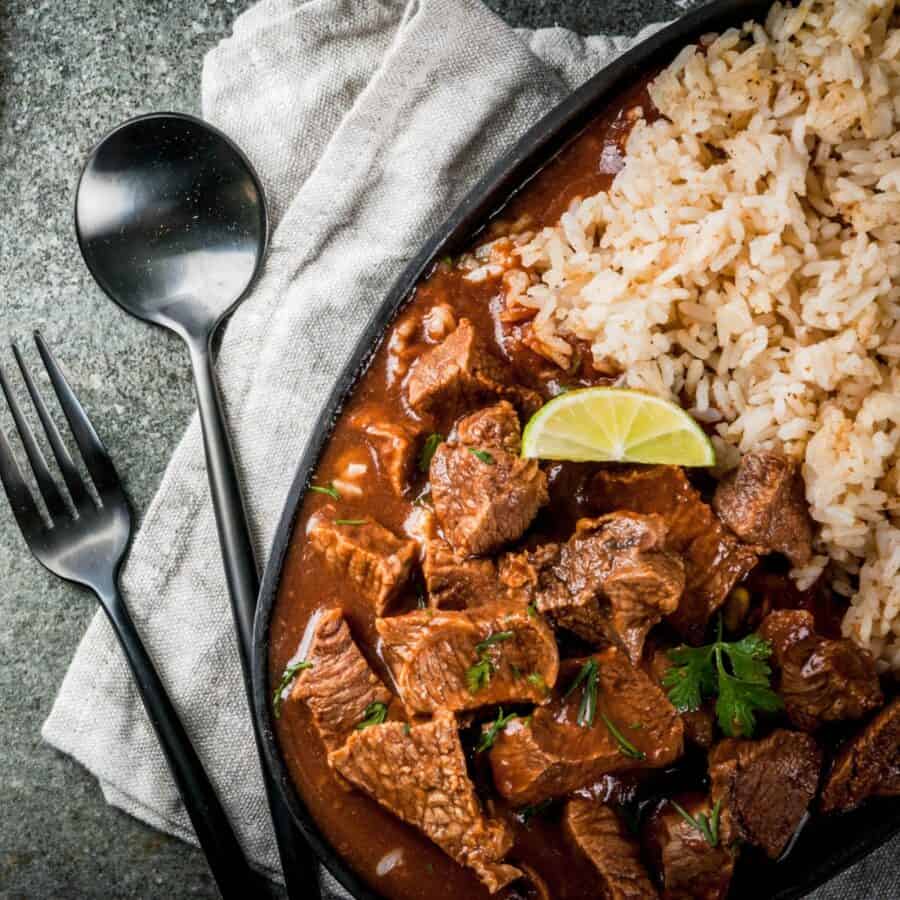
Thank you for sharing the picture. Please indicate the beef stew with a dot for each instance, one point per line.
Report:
(457, 555)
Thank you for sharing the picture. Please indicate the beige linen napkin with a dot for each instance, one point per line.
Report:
(367, 123)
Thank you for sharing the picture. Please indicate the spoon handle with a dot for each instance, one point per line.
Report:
(297, 861)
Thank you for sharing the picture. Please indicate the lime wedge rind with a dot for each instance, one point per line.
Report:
(616, 425)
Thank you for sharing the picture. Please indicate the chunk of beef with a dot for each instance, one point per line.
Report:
(764, 503)
(485, 495)
(690, 868)
(339, 685)
(551, 754)
(449, 659)
(820, 679)
(699, 724)
(496, 426)
(368, 555)
(715, 560)
(765, 787)
(612, 580)
(868, 765)
(461, 371)
(454, 582)
(393, 445)
(419, 774)
(602, 837)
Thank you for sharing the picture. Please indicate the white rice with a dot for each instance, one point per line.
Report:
(747, 259)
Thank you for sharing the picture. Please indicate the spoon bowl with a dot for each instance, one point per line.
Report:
(171, 220)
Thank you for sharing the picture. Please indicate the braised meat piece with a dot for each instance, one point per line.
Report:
(419, 773)
(820, 679)
(367, 555)
(485, 495)
(496, 426)
(764, 503)
(461, 371)
(690, 867)
(454, 582)
(611, 581)
(449, 659)
(339, 685)
(868, 765)
(715, 560)
(393, 445)
(552, 754)
(602, 837)
(699, 724)
(765, 787)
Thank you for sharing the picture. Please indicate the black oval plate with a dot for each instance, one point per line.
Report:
(826, 846)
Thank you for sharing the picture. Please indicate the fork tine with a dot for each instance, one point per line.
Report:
(96, 458)
(23, 506)
(47, 486)
(69, 470)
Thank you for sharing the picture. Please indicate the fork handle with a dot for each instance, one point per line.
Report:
(234, 877)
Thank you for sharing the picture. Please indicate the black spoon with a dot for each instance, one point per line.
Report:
(171, 220)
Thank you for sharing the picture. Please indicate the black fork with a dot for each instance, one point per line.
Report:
(85, 543)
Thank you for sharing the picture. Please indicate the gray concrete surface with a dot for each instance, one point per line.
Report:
(68, 71)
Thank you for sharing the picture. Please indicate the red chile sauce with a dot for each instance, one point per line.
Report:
(361, 832)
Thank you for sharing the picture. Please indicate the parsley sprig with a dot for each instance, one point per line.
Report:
(374, 714)
(286, 678)
(489, 735)
(478, 675)
(699, 672)
(587, 709)
(708, 826)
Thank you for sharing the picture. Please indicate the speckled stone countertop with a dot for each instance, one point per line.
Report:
(69, 70)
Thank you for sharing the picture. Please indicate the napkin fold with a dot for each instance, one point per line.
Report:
(367, 123)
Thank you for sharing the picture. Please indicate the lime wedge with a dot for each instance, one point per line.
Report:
(616, 425)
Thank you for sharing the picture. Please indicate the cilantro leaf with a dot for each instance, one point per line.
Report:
(736, 673)
(478, 676)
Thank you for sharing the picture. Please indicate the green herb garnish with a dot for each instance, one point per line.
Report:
(490, 735)
(406, 729)
(349, 521)
(628, 749)
(708, 826)
(699, 672)
(587, 709)
(286, 678)
(478, 676)
(531, 609)
(483, 455)
(374, 714)
(431, 444)
(498, 637)
(328, 489)
(537, 680)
